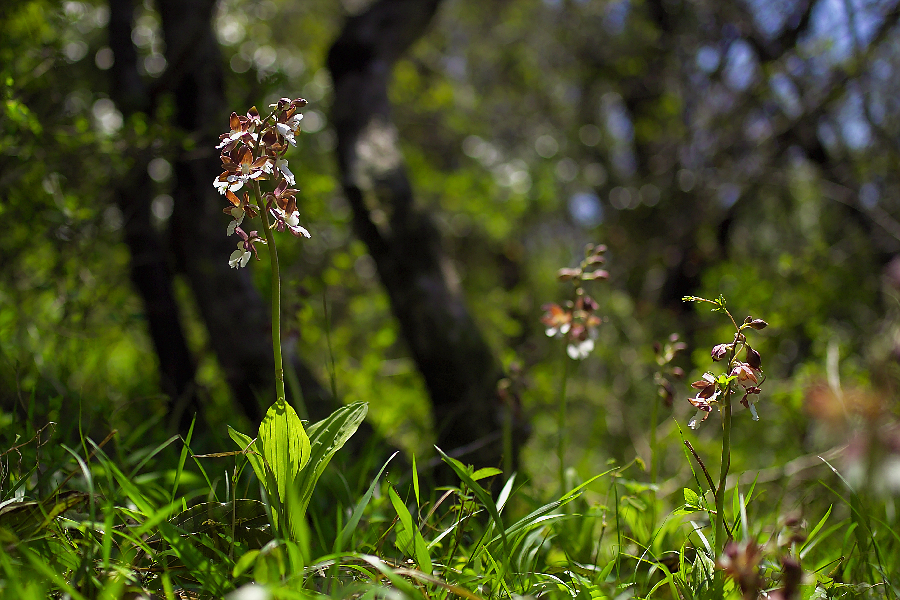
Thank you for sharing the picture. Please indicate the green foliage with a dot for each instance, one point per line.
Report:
(127, 537)
(284, 446)
(473, 99)
(326, 438)
(409, 539)
(289, 462)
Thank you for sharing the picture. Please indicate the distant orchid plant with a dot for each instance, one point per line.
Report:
(746, 374)
(576, 320)
(743, 373)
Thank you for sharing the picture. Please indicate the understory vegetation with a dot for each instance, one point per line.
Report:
(114, 518)
(421, 300)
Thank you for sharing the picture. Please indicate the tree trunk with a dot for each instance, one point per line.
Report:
(150, 271)
(459, 369)
(233, 311)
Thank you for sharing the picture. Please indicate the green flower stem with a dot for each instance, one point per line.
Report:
(654, 467)
(726, 450)
(507, 441)
(723, 472)
(276, 296)
(654, 416)
(561, 425)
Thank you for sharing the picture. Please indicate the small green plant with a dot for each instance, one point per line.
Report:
(577, 322)
(287, 460)
(743, 371)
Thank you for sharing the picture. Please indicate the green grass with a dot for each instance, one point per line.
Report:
(286, 515)
(77, 523)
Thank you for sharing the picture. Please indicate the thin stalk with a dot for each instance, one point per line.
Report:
(332, 374)
(726, 446)
(561, 426)
(618, 531)
(507, 442)
(276, 296)
(723, 472)
(712, 486)
(654, 416)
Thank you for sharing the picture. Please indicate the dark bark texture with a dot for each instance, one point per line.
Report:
(235, 314)
(150, 271)
(459, 369)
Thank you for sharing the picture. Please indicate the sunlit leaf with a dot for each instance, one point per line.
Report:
(284, 444)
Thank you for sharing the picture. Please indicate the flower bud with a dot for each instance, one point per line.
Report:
(753, 358)
(745, 374)
(758, 324)
(667, 393)
(589, 304)
(598, 274)
(567, 274)
(719, 351)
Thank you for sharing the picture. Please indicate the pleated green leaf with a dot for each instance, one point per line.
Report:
(284, 444)
(325, 438)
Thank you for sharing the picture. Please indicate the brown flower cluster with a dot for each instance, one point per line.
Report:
(741, 561)
(745, 375)
(254, 150)
(576, 320)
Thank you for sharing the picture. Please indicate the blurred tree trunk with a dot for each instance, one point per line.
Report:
(235, 314)
(459, 369)
(150, 271)
(230, 306)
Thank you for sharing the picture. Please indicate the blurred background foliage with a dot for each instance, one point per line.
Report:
(745, 147)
